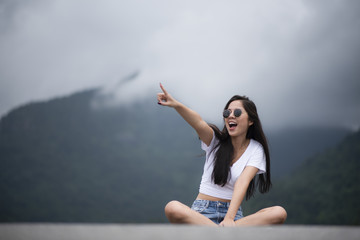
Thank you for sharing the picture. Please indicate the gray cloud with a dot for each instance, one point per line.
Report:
(298, 60)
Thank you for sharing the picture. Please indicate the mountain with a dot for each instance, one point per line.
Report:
(290, 147)
(322, 190)
(64, 161)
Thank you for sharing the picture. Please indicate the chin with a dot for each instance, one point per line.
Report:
(232, 134)
(235, 133)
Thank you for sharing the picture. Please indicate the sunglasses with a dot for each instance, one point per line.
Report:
(227, 112)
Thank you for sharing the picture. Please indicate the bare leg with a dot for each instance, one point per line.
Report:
(177, 212)
(266, 216)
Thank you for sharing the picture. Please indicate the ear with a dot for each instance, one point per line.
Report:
(251, 123)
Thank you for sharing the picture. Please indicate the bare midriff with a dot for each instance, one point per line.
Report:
(202, 196)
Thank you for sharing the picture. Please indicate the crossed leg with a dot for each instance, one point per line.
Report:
(266, 216)
(177, 212)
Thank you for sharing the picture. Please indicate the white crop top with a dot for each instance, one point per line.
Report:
(253, 156)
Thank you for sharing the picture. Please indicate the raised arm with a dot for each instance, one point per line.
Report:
(203, 130)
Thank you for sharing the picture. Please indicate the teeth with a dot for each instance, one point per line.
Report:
(232, 124)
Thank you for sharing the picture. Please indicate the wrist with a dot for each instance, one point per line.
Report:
(177, 105)
(227, 217)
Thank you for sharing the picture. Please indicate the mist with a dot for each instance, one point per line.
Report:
(298, 61)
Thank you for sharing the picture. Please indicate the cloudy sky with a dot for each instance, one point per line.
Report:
(298, 60)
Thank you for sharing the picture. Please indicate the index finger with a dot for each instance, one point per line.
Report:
(163, 89)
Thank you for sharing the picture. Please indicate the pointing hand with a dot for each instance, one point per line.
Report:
(165, 98)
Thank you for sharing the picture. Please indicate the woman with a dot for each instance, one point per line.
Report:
(237, 160)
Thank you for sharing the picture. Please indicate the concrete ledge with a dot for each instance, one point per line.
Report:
(174, 232)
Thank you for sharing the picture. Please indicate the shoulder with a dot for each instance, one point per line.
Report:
(255, 145)
(257, 156)
(213, 143)
(256, 150)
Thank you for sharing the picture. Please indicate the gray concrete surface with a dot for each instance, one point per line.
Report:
(173, 232)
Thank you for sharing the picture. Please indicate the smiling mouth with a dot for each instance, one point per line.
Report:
(232, 125)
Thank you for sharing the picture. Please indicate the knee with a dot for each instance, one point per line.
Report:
(279, 214)
(173, 211)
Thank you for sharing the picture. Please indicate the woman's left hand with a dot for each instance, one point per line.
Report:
(227, 222)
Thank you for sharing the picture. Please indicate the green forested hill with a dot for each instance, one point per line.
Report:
(323, 190)
(62, 161)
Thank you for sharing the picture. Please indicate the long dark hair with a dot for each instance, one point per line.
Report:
(225, 150)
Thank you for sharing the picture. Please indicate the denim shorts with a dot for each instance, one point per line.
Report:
(214, 210)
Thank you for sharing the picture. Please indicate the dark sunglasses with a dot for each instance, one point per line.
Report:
(227, 112)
